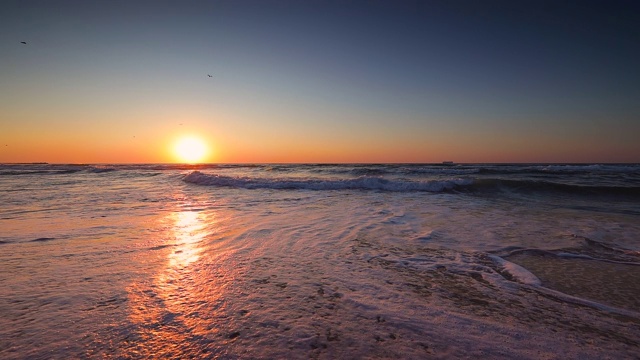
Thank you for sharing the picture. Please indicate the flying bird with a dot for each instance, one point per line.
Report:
(209, 75)
(23, 42)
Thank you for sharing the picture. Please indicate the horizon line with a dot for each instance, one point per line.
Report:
(444, 163)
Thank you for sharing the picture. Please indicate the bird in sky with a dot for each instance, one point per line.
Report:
(23, 42)
(209, 75)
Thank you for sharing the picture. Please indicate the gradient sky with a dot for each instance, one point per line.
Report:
(320, 81)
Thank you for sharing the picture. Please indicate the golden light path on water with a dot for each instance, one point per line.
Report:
(189, 231)
(173, 313)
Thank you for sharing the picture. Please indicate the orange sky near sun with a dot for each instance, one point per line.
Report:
(272, 132)
(156, 145)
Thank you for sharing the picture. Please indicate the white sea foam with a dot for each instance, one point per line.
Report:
(360, 183)
(518, 272)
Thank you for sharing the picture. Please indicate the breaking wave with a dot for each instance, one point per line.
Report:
(368, 182)
(360, 183)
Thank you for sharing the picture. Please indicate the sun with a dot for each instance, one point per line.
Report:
(190, 149)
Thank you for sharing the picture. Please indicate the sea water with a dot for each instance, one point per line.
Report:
(319, 261)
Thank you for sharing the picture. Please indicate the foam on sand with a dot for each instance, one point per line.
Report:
(611, 283)
(519, 273)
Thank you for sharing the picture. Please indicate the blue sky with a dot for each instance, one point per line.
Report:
(322, 81)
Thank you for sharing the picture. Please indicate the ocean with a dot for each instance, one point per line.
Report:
(329, 261)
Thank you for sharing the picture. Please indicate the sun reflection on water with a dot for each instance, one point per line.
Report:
(171, 311)
(189, 232)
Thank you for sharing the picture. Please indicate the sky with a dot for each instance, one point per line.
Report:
(320, 81)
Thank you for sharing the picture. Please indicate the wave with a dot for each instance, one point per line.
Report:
(593, 168)
(34, 169)
(34, 172)
(482, 169)
(441, 170)
(534, 186)
(471, 185)
(100, 169)
(561, 169)
(412, 170)
(360, 183)
(43, 239)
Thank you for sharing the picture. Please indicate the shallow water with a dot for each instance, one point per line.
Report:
(299, 261)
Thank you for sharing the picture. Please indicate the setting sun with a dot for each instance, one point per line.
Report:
(190, 149)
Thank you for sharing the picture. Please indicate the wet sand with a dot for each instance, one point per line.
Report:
(609, 283)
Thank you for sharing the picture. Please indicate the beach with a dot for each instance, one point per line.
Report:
(412, 261)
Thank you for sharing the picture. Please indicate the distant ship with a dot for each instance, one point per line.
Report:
(447, 163)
